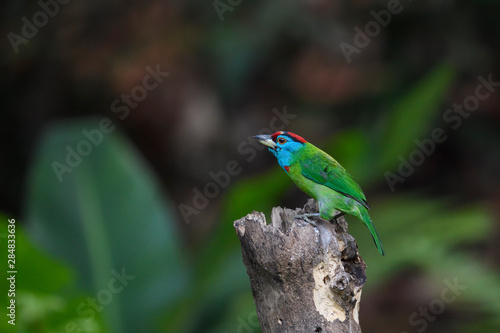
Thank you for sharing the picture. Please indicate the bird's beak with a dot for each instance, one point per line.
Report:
(265, 140)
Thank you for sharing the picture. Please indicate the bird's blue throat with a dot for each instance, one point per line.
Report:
(286, 154)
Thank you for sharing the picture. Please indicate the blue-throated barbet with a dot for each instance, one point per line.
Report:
(319, 175)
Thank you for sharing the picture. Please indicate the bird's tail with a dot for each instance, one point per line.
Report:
(368, 222)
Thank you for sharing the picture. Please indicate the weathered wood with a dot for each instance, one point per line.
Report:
(304, 278)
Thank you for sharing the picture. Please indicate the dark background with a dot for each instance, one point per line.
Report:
(157, 192)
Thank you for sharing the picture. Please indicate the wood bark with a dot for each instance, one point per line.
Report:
(303, 278)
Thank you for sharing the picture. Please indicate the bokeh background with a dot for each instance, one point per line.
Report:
(153, 199)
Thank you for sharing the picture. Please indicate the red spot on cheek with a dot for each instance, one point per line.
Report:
(287, 168)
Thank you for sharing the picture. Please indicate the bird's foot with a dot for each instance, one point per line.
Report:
(338, 223)
(338, 215)
(306, 217)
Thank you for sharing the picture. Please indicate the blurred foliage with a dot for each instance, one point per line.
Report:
(416, 231)
(110, 214)
(412, 117)
(106, 219)
(46, 290)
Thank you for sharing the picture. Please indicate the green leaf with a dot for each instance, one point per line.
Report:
(30, 262)
(41, 283)
(413, 114)
(241, 315)
(351, 149)
(107, 218)
(220, 271)
(413, 229)
(255, 194)
(479, 281)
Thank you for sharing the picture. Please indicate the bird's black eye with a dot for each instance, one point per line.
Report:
(281, 141)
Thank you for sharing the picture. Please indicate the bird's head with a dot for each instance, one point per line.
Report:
(283, 145)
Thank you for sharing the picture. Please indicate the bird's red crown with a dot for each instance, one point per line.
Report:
(291, 135)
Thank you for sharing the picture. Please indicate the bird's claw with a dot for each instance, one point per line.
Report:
(338, 223)
(338, 215)
(305, 217)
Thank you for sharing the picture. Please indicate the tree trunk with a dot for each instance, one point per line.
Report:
(304, 278)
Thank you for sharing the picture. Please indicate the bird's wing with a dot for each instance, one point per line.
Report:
(321, 168)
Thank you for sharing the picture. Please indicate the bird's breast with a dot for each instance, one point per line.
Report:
(303, 183)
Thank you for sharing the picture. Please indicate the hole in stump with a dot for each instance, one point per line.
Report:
(318, 329)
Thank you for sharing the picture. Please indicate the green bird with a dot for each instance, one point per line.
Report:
(319, 175)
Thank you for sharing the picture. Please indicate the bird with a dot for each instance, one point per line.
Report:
(320, 176)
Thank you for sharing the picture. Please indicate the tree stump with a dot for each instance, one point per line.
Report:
(304, 278)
